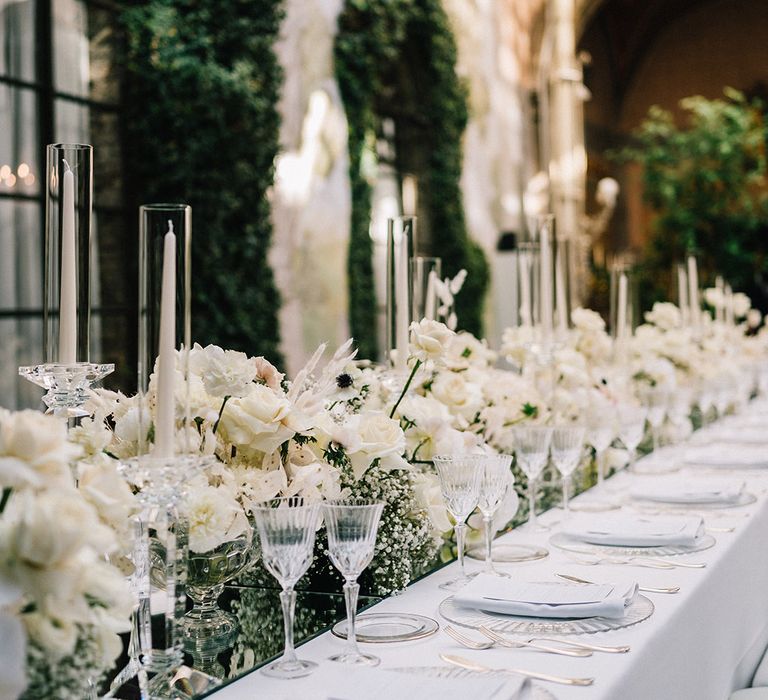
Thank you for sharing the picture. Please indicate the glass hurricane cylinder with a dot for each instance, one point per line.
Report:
(401, 246)
(155, 221)
(68, 209)
(66, 372)
(425, 272)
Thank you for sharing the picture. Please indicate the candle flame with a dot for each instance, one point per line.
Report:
(170, 226)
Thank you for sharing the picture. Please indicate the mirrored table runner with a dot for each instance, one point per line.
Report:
(258, 639)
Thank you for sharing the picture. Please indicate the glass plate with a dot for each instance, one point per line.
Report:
(593, 506)
(638, 610)
(572, 544)
(537, 692)
(744, 499)
(381, 628)
(510, 553)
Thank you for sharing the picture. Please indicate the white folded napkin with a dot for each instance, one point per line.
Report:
(500, 595)
(689, 491)
(382, 684)
(635, 530)
(719, 455)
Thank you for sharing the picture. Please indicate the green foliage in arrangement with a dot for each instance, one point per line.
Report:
(202, 83)
(708, 186)
(379, 42)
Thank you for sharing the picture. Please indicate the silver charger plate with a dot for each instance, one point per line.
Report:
(744, 499)
(383, 628)
(509, 553)
(537, 692)
(573, 544)
(638, 610)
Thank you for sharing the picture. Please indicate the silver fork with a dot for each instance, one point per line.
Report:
(473, 644)
(495, 636)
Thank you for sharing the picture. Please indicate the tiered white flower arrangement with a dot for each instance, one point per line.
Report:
(62, 604)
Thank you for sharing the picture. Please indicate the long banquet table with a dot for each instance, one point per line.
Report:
(699, 644)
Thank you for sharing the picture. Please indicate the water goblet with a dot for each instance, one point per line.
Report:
(631, 429)
(532, 452)
(567, 444)
(460, 477)
(287, 528)
(495, 481)
(351, 525)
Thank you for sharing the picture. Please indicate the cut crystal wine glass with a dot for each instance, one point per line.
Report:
(460, 477)
(495, 481)
(352, 525)
(567, 445)
(287, 528)
(532, 452)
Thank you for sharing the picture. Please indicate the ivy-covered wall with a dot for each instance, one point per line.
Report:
(382, 46)
(201, 126)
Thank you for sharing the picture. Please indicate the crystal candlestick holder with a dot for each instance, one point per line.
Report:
(68, 385)
(160, 561)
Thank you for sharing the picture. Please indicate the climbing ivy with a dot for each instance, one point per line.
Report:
(201, 86)
(383, 49)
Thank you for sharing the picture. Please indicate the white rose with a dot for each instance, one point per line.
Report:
(47, 528)
(426, 488)
(214, 517)
(109, 494)
(714, 297)
(429, 340)
(464, 350)
(587, 320)
(257, 422)
(461, 397)
(224, 372)
(34, 451)
(740, 304)
(380, 438)
(754, 317)
(664, 315)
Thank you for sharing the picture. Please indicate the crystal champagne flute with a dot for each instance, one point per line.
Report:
(287, 528)
(352, 525)
(631, 430)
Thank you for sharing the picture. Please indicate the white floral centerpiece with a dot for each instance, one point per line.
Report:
(62, 604)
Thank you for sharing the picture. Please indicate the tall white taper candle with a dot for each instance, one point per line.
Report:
(682, 293)
(68, 289)
(526, 318)
(165, 425)
(693, 291)
(403, 262)
(560, 295)
(621, 320)
(429, 310)
(545, 282)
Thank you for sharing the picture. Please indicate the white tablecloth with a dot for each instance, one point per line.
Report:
(700, 644)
